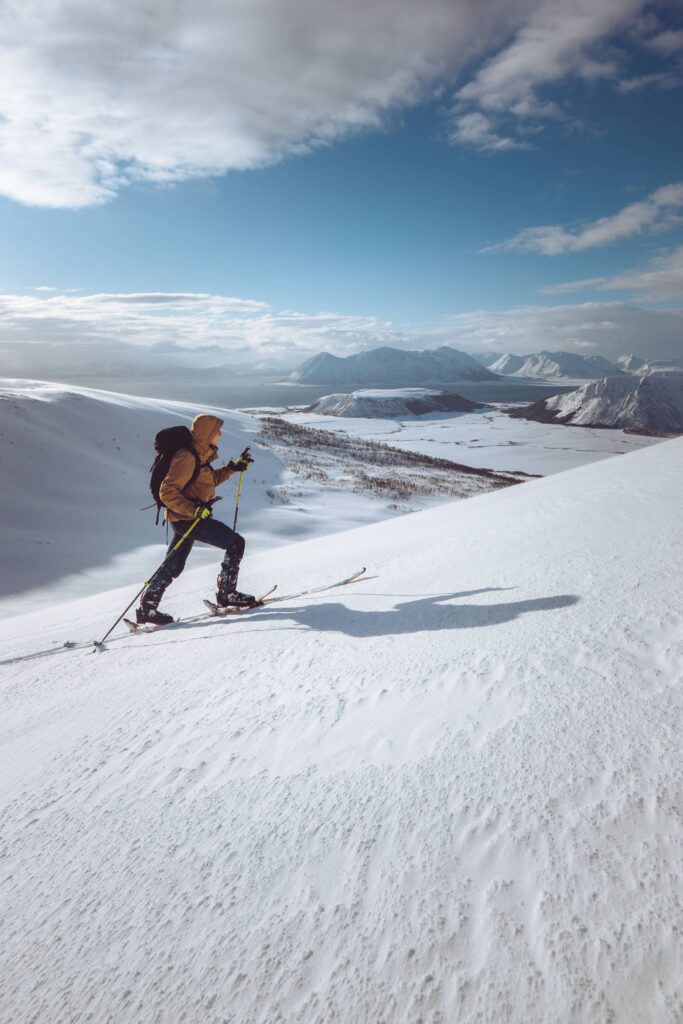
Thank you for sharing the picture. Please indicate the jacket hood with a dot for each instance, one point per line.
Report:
(203, 429)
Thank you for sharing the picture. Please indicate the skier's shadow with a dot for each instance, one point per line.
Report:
(426, 614)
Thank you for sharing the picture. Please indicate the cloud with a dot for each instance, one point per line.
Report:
(667, 43)
(200, 329)
(475, 129)
(658, 80)
(600, 328)
(658, 212)
(661, 280)
(94, 97)
(63, 338)
(558, 39)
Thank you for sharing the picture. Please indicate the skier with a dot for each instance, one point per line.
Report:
(188, 495)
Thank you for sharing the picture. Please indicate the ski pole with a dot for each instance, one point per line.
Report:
(245, 457)
(99, 644)
(237, 503)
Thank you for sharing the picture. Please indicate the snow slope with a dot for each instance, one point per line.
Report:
(76, 465)
(650, 404)
(77, 461)
(386, 367)
(450, 793)
(389, 404)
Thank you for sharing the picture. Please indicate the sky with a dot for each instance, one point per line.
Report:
(191, 185)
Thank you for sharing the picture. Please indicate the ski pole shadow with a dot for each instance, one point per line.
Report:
(425, 614)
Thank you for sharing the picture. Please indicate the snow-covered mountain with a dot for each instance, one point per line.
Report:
(641, 367)
(508, 364)
(554, 366)
(486, 358)
(657, 366)
(630, 363)
(650, 404)
(451, 792)
(386, 367)
(391, 404)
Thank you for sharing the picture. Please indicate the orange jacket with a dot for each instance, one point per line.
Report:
(179, 499)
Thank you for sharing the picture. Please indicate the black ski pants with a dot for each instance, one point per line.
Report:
(207, 531)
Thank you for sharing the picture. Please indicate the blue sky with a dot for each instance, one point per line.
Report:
(444, 178)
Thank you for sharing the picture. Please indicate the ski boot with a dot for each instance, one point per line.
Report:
(146, 614)
(236, 599)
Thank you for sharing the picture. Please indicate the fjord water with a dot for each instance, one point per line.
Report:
(253, 391)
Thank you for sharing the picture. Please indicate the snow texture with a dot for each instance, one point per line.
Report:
(650, 404)
(449, 793)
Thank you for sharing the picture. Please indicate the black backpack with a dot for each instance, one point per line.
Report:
(166, 444)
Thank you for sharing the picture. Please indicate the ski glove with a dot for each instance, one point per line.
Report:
(243, 463)
(203, 512)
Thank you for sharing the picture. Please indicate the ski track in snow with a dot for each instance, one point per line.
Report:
(448, 793)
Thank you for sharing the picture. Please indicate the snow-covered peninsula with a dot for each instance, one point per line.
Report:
(389, 404)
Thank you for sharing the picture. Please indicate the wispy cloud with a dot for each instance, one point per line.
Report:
(222, 325)
(658, 212)
(601, 328)
(558, 39)
(93, 98)
(660, 280)
(667, 42)
(116, 335)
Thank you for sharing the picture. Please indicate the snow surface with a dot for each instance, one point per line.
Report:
(653, 403)
(487, 438)
(449, 793)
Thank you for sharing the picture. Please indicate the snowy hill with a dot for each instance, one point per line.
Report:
(449, 793)
(373, 404)
(554, 366)
(652, 404)
(387, 366)
(78, 463)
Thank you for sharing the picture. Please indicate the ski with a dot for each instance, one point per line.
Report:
(356, 577)
(137, 628)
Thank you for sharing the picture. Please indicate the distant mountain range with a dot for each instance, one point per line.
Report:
(395, 367)
(386, 367)
(650, 404)
(550, 366)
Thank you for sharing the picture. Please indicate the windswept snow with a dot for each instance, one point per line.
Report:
(650, 404)
(449, 793)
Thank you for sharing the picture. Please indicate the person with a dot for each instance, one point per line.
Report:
(185, 504)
